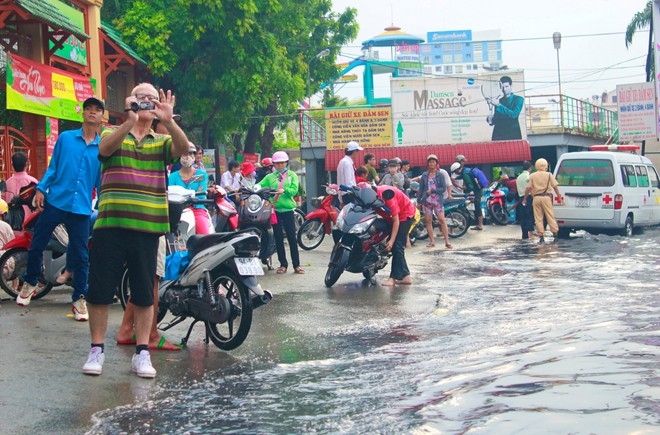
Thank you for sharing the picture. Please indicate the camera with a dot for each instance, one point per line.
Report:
(142, 105)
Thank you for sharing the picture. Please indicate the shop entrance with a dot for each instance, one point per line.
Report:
(11, 141)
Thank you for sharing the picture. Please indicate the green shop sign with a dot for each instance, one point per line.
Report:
(73, 49)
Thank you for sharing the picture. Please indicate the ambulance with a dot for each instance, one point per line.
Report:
(608, 188)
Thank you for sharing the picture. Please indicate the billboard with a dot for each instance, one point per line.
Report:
(369, 126)
(636, 104)
(458, 109)
(449, 36)
(72, 49)
(44, 90)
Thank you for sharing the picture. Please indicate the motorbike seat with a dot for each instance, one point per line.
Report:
(197, 244)
(453, 202)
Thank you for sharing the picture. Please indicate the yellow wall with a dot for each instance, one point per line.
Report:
(94, 24)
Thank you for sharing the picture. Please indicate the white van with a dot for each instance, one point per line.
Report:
(606, 190)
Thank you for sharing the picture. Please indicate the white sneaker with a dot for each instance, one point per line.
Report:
(79, 309)
(141, 365)
(94, 364)
(24, 297)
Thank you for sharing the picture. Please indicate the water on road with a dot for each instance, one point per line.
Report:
(517, 337)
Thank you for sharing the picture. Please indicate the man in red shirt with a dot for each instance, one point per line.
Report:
(403, 211)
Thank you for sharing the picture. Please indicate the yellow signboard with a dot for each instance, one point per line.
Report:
(63, 87)
(371, 127)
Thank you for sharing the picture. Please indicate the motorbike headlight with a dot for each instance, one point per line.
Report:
(361, 227)
(253, 203)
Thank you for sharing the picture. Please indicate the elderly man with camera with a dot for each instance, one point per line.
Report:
(132, 216)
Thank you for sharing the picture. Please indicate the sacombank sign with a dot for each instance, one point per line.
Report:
(450, 36)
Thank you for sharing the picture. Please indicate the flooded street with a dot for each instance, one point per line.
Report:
(516, 337)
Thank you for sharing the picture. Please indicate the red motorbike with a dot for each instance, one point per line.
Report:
(320, 221)
(502, 202)
(226, 213)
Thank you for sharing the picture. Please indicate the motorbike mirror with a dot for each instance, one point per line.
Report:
(388, 194)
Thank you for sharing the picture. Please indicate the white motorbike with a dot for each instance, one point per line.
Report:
(219, 285)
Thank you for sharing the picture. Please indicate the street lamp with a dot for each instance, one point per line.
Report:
(556, 40)
(320, 55)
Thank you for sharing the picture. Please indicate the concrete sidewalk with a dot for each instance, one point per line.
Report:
(42, 349)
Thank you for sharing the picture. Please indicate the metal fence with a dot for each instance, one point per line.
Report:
(310, 131)
(563, 114)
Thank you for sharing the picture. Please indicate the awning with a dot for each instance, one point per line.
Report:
(51, 15)
(115, 36)
(476, 153)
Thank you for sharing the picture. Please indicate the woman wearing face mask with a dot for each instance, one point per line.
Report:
(285, 183)
(197, 180)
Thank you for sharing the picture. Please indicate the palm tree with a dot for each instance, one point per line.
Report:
(642, 20)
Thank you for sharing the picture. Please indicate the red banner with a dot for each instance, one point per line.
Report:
(44, 90)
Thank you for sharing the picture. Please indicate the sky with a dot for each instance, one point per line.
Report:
(589, 65)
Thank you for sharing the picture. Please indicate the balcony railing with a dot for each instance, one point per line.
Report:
(564, 114)
(311, 133)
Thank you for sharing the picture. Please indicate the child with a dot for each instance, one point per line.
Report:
(361, 175)
(393, 176)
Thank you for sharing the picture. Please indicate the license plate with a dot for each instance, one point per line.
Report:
(583, 202)
(248, 266)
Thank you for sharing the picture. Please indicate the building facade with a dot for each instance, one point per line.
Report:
(461, 52)
(53, 55)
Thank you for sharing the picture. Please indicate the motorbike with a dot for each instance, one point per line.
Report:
(13, 262)
(456, 216)
(364, 229)
(218, 286)
(226, 215)
(502, 204)
(258, 213)
(320, 221)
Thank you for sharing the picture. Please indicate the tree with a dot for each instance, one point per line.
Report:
(236, 66)
(642, 20)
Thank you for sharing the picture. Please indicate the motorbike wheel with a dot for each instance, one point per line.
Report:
(499, 214)
(420, 232)
(233, 332)
(124, 295)
(311, 234)
(13, 264)
(299, 218)
(457, 224)
(337, 265)
(124, 290)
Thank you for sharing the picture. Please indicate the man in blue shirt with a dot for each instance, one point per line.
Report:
(64, 196)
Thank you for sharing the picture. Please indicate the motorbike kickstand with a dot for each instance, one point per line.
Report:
(184, 340)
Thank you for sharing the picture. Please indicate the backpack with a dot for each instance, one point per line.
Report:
(480, 177)
(15, 216)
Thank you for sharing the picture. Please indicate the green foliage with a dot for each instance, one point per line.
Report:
(235, 64)
(643, 20)
(286, 139)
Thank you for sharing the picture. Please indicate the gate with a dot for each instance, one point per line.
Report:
(11, 141)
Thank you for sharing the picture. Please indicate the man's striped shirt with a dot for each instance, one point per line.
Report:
(133, 191)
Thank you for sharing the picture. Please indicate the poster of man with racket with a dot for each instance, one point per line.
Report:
(504, 111)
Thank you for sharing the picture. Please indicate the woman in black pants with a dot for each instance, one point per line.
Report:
(286, 184)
